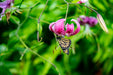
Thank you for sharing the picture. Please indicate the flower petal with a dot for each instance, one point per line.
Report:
(82, 1)
(59, 27)
(92, 21)
(78, 28)
(69, 29)
(83, 20)
(51, 26)
(4, 5)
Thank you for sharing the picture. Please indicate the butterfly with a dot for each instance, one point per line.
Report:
(64, 44)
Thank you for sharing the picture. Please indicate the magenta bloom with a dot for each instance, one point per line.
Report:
(82, 1)
(59, 27)
(4, 5)
(91, 21)
(83, 20)
(69, 29)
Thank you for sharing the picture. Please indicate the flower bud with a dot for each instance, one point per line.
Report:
(102, 23)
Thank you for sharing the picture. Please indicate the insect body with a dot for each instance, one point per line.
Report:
(64, 44)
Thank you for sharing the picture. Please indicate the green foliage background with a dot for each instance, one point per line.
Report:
(90, 55)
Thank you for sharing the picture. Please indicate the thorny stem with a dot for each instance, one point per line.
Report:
(27, 48)
(39, 21)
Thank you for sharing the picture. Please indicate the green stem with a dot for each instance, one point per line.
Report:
(84, 6)
(42, 12)
(66, 10)
(23, 54)
(19, 25)
(42, 58)
(89, 8)
(98, 45)
(34, 51)
(20, 4)
(39, 21)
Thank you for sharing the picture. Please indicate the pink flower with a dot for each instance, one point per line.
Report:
(69, 29)
(82, 1)
(91, 21)
(4, 5)
(59, 28)
(78, 27)
(83, 20)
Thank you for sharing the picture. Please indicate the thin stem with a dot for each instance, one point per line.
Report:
(23, 54)
(98, 45)
(42, 12)
(85, 6)
(65, 1)
(21, 3)
(42, 58)
(19, 25)
(66, 10)
(34, 51)
(39, 21)
(89, 8)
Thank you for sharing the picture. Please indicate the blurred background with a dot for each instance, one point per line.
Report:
(89, 55)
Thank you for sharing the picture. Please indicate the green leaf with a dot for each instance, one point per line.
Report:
(13, 33)
(3, 48)
(108, 65)
(98, 55)
(14, 19)
(16, 2)
(39, 29)
(75, 1)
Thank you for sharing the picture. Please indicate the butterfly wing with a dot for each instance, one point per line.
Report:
(66, 51)
(64, 44)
